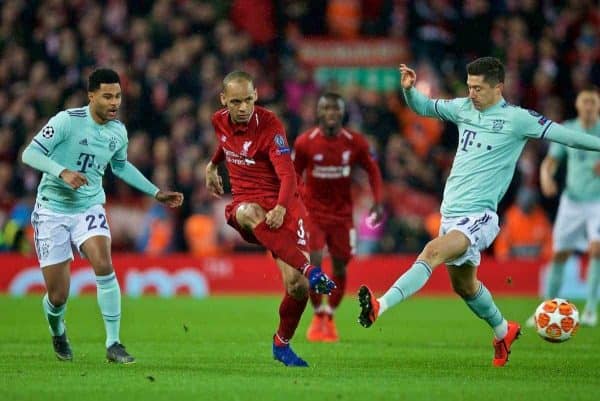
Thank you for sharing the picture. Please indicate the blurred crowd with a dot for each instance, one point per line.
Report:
(173, 54)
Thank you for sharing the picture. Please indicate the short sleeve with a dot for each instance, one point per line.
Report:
(530, 123)
(52, 133)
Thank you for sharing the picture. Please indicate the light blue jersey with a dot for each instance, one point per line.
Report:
(490, 143)
(582, 184)
(73, 140)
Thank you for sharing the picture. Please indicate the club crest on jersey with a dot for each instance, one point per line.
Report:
(318, 157)
(112, 144)
(245, 147)
(48, 132)
(282, 147)
(346, 157)
(497, 125)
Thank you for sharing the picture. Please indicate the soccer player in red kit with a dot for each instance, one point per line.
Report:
(326, 154)
(266, 208)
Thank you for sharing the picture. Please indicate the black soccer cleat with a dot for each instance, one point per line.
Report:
(369, 307)
(62, 348)
(116, 353)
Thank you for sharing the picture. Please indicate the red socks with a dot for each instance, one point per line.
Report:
(290, 312)
(335, 298)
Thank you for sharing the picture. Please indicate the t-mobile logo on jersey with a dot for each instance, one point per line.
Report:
(468, 140)
(85, 160)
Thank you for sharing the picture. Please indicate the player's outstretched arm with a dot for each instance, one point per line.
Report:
(214, 183)
(574, 139)
(421, 104)
(132, 176)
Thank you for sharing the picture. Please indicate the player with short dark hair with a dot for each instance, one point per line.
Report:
(326, 155)
(73, 151)
(266, 208)
(492, 135)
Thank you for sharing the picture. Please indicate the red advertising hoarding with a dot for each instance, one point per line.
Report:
(249, 274)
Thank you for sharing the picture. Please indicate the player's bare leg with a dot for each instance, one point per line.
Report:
(479, 300)
(57, 281)
(97, 251)
(251, 217)
(290, 311)
(437, 251)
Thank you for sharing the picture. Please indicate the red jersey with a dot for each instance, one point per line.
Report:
(257, 157)
(328, 163)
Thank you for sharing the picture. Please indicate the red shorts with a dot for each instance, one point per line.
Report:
(293, 222)
(340, 237)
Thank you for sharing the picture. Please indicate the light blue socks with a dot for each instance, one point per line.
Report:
(484, 307)
(54, 316)
(410, 282)
(109, 300)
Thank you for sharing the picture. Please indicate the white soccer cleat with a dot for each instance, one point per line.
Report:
(589, 318)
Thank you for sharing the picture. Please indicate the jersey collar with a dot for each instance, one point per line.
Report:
(242, 128)
(497, 106)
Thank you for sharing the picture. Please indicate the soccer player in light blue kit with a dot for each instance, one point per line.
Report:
(492, 135)
(73, 150)
(577, 225)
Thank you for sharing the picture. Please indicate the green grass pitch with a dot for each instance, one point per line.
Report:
(219, 349)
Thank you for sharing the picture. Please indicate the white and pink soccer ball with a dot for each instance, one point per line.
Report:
(556, 320)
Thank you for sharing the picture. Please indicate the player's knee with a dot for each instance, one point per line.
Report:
(298, 288)
(58, 297)
(430, 253)
(249, 215)
(103, 268)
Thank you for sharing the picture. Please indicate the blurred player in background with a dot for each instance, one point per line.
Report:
(577, 225)
(266, 208)
(327, 154)
(492, 135)
(73, 151)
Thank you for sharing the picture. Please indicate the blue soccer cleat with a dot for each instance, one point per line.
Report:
(287, 356)
(319, 282)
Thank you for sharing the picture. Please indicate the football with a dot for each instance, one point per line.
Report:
(556, 320)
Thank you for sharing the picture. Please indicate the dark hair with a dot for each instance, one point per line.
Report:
(102, 76)
(491, 68)
(237, 76)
